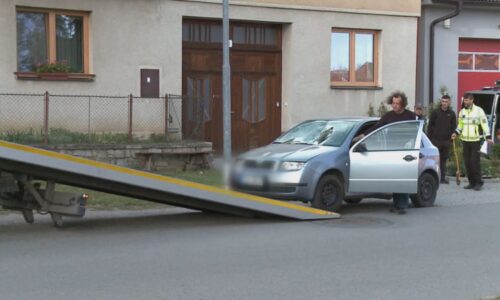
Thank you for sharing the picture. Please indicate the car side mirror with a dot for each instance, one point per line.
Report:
(361, 148)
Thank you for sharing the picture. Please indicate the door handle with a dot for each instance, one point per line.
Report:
(421, 155)
(409, 158)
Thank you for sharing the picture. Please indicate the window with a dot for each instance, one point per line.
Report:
(201, 32)
(465, 61)
(254, 100)
(354, 57)
(478, 62)
(51, 36)
(393, 138)
(208, 34)
(255, 34)
(199, 100)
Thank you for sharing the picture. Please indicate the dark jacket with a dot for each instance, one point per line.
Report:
(392, 117)
(441, 125)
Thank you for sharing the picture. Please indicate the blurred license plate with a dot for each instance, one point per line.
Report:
(252, 180)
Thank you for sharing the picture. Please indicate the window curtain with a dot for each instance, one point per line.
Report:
(69, 45)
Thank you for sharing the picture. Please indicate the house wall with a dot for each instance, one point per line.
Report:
(470, 23)
(128, 35)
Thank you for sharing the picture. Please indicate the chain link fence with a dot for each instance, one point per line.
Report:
(75, 119)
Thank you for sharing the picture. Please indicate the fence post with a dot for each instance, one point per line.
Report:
(130, 107)
(166, 116)
(88, 125)
(46, 118)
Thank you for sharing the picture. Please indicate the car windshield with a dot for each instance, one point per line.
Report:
(318, 132)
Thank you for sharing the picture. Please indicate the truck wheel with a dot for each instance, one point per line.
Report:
(28, 216)
(329, 193)
(426, 193)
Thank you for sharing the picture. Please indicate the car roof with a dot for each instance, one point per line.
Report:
(486, 91)
(357, 119)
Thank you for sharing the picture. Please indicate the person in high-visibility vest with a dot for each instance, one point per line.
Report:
(471, 119)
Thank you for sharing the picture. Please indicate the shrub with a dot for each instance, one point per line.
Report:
(495, 153)
(55, 67)
(490, 166)
(382, 109)
(371, 110)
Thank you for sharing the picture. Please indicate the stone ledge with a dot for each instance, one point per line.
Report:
(167, 156)
(199, 146)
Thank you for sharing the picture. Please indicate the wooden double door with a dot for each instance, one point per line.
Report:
(255, 89)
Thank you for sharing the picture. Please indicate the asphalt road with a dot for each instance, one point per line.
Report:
(451, 251)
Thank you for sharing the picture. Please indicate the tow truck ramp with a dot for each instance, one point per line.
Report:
(24, 168)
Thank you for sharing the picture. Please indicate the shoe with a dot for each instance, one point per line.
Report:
(477, 187)
(469, 186)
(399, 211)
(445, 181)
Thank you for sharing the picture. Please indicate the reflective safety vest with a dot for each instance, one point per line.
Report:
(469, 121)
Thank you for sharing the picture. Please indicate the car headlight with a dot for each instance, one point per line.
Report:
(291, 165)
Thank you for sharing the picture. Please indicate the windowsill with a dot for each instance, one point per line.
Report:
(54, 76)
(354, 87)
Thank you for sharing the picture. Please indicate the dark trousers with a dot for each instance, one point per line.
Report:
(401, 201)
(444, 154)
(472, 162)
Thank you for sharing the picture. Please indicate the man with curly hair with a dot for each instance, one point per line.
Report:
(398, 102)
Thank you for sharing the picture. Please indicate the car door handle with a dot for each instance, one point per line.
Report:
(420, 155)
(409, 158)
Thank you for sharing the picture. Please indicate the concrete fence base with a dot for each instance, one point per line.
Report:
(151, 157)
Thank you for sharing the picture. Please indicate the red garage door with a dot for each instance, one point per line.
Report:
(478, 64)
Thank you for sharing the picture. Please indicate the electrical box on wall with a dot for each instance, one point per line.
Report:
(150, 83)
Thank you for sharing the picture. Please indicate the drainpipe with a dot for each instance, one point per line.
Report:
(458, 8)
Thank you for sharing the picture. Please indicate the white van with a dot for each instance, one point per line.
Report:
(489, 100)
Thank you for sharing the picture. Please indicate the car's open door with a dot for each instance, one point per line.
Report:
(386, 161)
(492, 123)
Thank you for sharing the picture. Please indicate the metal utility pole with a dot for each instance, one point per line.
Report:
(226, 87)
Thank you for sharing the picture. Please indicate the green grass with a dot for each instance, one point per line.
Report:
(208, 177)
(105, 201)
(59, 136)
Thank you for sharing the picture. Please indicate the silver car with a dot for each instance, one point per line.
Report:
(318, 162)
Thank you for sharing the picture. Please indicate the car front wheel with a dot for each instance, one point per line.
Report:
(426, 193)
(329, 193)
